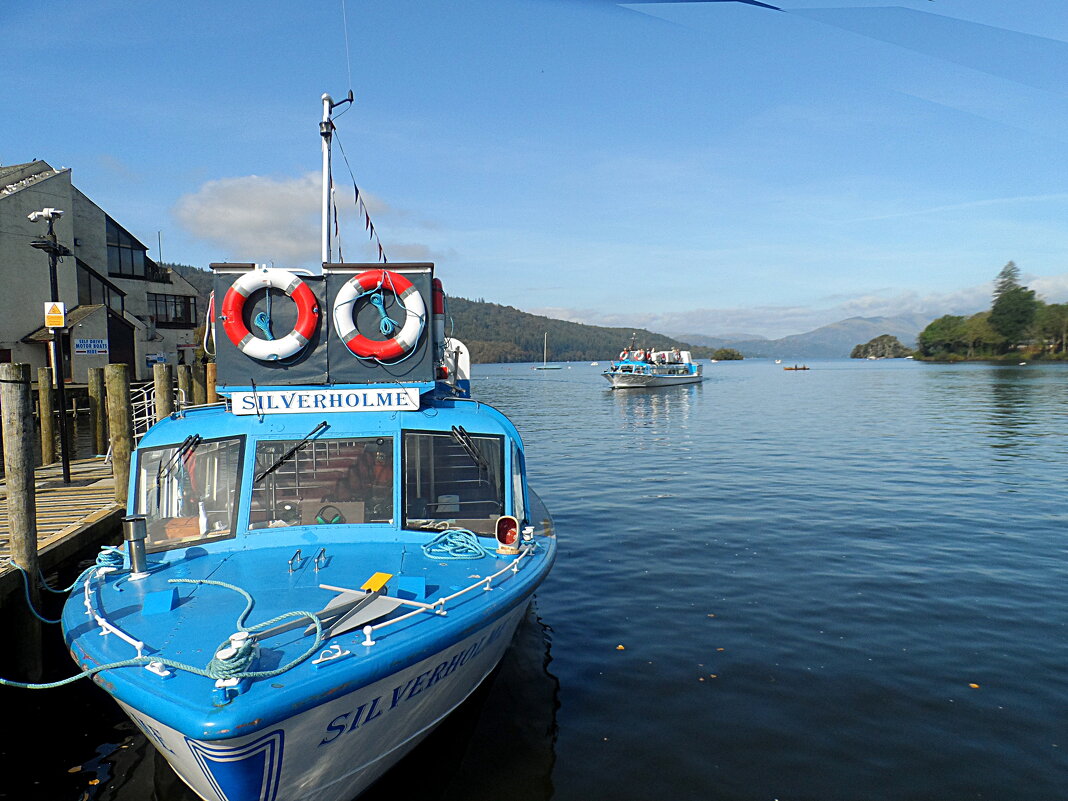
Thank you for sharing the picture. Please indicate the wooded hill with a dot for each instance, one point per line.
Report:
(495, 333)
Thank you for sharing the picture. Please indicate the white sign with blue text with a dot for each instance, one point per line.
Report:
(295, 401)
(91, 347)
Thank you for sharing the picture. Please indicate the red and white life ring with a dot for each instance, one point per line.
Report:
(407, 296)
(269, 349)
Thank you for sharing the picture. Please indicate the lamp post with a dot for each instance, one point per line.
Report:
(50, 244)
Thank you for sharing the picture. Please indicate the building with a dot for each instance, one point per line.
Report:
(121, 305)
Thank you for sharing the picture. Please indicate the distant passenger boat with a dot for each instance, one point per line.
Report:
(652, 368)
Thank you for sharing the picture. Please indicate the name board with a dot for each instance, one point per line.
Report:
(91, 347)
(382, 399)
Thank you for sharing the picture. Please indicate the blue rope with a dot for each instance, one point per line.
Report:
(234, 667)
(263, 322)
(455, 544)
(108, 557)
(386, 325)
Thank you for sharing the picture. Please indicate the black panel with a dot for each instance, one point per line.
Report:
(325, 360)
(417, 365)
(309, 366)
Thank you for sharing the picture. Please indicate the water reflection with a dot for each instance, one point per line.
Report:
(501, 743)
(652, 406)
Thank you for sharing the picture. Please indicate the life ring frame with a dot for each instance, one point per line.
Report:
(233, 308)
(410, 300)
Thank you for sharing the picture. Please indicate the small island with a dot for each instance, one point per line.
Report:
(726, 355)
(882, 347)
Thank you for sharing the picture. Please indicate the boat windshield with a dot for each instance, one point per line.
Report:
(188, 493)
(453, 478)
(323, 481)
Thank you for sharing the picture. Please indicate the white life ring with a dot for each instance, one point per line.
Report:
(269, 349)
(407, 296)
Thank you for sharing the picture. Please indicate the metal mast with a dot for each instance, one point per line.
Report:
(326, 130)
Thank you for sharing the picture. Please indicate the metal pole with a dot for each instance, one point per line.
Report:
(57, 356)
(326, 130)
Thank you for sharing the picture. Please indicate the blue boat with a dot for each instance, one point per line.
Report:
(319, 569)
(645, 367)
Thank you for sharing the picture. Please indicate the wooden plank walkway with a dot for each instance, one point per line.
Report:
(70, 517)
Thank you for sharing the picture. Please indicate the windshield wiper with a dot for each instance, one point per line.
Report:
(189, 444)
(459, 433)
(285, 456)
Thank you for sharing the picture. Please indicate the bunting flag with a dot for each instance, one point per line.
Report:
(361, 208)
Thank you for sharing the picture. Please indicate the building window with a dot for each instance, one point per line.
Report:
(173, 311)
(128, 258)
(95, 289)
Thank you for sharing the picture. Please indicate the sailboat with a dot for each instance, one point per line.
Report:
(545, 356)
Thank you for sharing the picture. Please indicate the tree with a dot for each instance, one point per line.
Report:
(1007, 280)
(980, 335)
(943, 336)
(1052, 325)
(1013, 313)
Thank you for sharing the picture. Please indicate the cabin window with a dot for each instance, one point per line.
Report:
(188, 493)
(323, 481)
(455, 478)
(519, 507)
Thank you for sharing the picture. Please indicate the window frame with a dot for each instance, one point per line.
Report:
(503, 479)
(235, 511)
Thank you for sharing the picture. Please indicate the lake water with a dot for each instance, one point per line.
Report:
(844, 583)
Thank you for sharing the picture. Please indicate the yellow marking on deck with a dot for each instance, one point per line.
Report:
(376, 582)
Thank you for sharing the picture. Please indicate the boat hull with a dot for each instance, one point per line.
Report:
(638, 380)
(335, 751)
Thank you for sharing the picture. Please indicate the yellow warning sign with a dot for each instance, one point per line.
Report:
(55, 315)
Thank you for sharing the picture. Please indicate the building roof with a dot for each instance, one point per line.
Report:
(14, 177)
(74, 316)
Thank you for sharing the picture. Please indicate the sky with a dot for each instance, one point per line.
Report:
(727, 167)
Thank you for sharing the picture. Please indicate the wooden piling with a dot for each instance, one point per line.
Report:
(200, 385)
(47, 415)
(163, 378)
(16, 417)
(185, 384)
(213, 397)
(98, 411)
(120, 426)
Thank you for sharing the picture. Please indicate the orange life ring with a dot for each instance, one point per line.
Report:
(233, 307)
(380, 349)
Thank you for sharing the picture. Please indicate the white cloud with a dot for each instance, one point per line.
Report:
(278, 221)
(774, 322)
(254, 218)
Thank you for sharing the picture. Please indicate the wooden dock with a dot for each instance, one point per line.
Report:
(70, 517)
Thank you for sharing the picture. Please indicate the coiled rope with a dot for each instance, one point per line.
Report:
(455, 543)
(229, 662)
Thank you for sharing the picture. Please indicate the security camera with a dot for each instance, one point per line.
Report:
(49, 214)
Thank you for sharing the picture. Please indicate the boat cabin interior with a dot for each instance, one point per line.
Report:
(192, 493)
